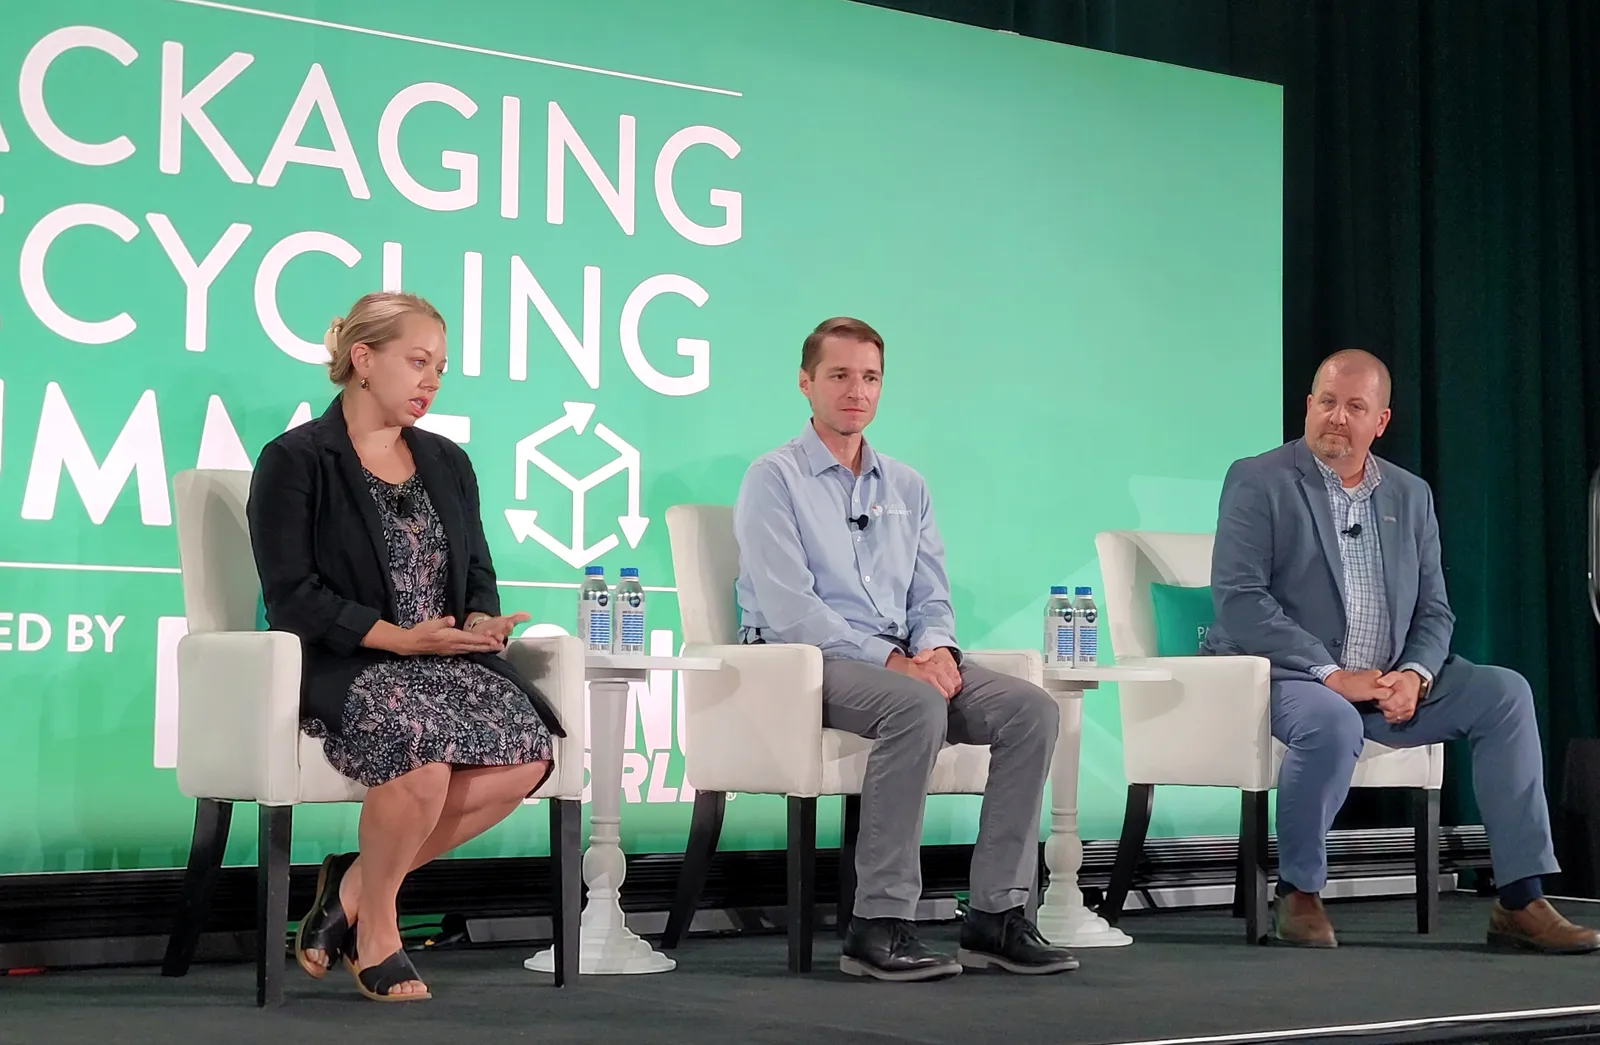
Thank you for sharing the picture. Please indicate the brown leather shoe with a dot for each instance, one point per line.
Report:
(1299, 920)
(1539, 927)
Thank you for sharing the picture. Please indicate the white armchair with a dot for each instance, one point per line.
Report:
(755, 727)
(239, 737)
(1211, 726)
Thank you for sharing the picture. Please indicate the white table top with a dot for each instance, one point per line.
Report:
(1104, 673)
(593, 661)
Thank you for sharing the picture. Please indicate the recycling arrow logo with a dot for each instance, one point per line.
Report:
(523, 521)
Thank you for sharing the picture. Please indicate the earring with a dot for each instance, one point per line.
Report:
(363, 382)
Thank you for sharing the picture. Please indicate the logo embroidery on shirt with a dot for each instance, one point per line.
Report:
(890, 509)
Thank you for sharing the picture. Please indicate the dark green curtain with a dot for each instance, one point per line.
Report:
(1441, 209)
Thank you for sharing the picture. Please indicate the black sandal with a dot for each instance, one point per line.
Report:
(377, 981)
(325, 928)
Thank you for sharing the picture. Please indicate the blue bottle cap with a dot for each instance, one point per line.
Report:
(1058, 589)
(630, 571)
(594, 571)
(1085, 591)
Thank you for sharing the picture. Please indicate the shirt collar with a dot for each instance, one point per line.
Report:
(820, 458)
(1370, 476)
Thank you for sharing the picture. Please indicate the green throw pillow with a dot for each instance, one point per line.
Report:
(1183, 616)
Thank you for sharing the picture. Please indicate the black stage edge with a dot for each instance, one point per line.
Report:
(1187, 976)
(122, 917)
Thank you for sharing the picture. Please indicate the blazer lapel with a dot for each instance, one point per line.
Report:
(1315, 489)
(335, 438)
(440, 483)
(1386, 509)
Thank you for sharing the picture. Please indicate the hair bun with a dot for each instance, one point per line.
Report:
(330, 340)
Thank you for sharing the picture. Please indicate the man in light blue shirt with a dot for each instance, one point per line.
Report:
(838, 549)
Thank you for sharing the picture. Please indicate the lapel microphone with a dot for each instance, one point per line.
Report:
(859, 522)
(1354, 531)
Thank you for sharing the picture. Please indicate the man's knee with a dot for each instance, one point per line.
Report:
(1505, 693)
(1325, 725)
(918, 713)
(1032, 712)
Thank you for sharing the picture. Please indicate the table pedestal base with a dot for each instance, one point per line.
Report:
(1063, 919)
(606, 946)
(1080, 927)
(608, 951)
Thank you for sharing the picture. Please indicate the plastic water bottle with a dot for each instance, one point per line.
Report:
(594, 610)
(1086, 628)
(628, 635)
(1058, 629)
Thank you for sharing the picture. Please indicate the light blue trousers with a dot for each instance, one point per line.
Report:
(1491, 707)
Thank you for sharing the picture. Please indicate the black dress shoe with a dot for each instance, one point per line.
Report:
(888, 949)
(1011, 942)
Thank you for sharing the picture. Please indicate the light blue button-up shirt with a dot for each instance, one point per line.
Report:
(808, 575)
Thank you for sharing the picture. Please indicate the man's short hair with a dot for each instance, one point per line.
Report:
(1359, 357)
(838, 326)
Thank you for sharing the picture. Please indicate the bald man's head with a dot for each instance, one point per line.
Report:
(1347, 409)
(1354, 362)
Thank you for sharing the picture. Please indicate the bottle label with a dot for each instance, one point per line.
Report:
(594, 623)
(630, 628)
(1088, 639)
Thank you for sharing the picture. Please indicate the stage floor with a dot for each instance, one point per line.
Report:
(1189, 974)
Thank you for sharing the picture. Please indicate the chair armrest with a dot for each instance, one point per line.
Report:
(1211, 725)
(239, 716)
(755, 725)
(1025, 664)
(554, 663)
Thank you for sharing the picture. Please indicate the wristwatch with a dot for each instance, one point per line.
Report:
(1424, 683)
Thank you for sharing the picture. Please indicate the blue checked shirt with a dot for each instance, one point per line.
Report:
(1368, 635)
(808, 575)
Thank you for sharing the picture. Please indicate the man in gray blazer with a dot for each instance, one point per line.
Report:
(1326, 562)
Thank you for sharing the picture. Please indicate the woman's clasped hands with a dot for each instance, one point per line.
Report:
(481, 634)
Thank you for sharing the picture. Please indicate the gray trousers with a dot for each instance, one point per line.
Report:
(1491, 707)
(909, 721)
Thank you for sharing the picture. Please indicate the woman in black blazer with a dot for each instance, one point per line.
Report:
(369, 544)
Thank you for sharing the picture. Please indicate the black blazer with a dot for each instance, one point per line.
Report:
(324, 564)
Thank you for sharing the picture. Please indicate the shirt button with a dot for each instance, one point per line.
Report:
(866, 579)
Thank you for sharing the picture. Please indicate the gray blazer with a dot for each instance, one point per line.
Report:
(1277, 581)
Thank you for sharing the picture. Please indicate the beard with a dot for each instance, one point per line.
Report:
(1332, 444)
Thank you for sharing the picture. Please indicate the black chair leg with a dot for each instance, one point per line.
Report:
(275, 825)
(705, 828)
(802, 881)
(211, 822)
(849, 828)
(1241, 877)
(566, 858)
(1252, 883)
(1135, 825)
(1425, 806)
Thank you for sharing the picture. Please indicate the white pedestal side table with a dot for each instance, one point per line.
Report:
(1063, 918)
(606, 946)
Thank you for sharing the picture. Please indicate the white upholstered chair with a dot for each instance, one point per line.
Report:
(755, 727)
(239, 737)
(1211, 727)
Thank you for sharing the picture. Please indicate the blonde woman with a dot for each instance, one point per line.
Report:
(370, 547)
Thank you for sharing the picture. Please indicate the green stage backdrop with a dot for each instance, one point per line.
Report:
(630, 212)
